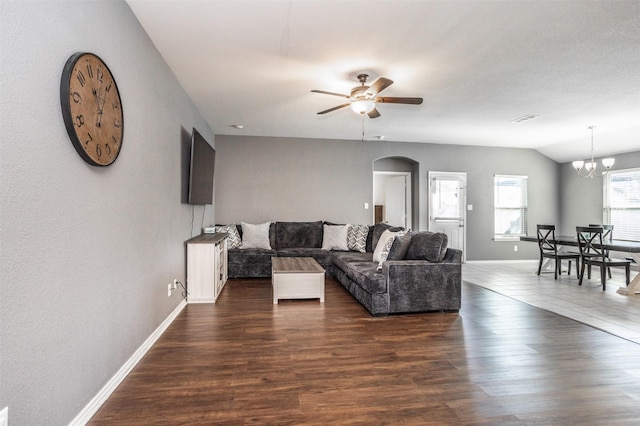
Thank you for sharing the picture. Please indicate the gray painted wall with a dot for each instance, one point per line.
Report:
(281, 179)
(582, 199)
(86, 253)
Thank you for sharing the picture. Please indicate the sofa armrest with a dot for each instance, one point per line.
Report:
(419, 285)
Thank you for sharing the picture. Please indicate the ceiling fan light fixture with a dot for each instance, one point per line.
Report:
(362, 106)
(363, 98)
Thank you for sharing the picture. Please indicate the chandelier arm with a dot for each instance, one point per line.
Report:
(590, 166)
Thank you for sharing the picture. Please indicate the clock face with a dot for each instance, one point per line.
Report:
(92, 109)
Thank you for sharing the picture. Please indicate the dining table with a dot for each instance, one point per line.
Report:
(631, 248)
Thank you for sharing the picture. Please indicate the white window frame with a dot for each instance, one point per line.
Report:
(522, 207)
(622, 212)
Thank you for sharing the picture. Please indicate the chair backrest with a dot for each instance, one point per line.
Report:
(546, 239)
(590, 241)
(608, 231)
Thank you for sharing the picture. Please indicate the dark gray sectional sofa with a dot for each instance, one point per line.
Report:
(428, 277)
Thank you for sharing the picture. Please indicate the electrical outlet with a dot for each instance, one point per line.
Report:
(515, 248)
(169, 289)
(175, 284)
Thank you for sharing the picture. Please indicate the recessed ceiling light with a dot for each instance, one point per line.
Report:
(524, 118)
(237, 126)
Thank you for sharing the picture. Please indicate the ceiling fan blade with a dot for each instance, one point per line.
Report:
(378, 86)
(334, 108)
(373, 113)
(331, 93)
(392, 100)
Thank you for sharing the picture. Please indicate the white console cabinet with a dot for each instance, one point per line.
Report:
(206, 267)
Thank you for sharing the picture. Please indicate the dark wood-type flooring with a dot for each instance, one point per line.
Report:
(245, 361)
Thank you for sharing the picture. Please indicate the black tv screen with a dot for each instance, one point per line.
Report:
(203, 159)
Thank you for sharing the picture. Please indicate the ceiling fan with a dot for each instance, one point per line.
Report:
(363, 99)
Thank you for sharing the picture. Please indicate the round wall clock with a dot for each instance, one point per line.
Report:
(91, 109)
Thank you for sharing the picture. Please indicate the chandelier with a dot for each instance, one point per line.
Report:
(588, 169)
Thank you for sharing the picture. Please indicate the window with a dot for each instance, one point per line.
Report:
(622, 203)
(510, 206)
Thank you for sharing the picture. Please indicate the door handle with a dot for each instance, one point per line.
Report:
(447, 219)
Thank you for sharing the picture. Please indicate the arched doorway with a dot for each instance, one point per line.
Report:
(395, 192)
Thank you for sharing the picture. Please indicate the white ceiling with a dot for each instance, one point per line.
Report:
(477, 64)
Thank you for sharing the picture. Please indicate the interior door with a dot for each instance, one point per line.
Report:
(392, 194)
(396, 201)
(447, 206)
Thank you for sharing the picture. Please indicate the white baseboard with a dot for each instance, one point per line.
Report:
(94, 405)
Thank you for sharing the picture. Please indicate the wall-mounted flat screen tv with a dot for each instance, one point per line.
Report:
(201, 170)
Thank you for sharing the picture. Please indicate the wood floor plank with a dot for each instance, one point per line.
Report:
(245, 361)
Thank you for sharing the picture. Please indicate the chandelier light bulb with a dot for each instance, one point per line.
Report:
(608, 162)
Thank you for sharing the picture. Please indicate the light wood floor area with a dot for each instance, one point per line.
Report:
(245, 361)
(607, 310)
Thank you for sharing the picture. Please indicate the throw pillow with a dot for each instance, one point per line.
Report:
(378, 229)
(334, 237)
(357, 238)
(233, 238)
(385, 250)
(298, 235)
(431, 246)
(382, 242)
(255, 236)
(400, 246)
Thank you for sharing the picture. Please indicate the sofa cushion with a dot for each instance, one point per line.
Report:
(366, 275)
(360, 268)
(334, 237)
(250, 255)
(400, 246)
(431, 246)
(298, 234)
(390, 242)
(384, 245)
(272, 233)
(357, 238)
(378, 229)
(255, 236)
(385, 251)
(233, 237)
(342, 259)
(250, 263)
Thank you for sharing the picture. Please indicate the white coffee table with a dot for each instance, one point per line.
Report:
(297, 278)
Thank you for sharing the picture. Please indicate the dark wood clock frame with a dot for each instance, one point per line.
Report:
(92, 109)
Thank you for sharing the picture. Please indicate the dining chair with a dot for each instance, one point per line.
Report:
(592, 252)
(549, 249)
(606, 235)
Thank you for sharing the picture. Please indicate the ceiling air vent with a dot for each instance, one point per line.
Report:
(524, 118)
